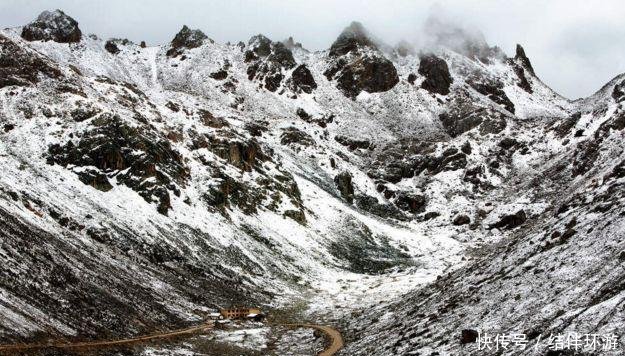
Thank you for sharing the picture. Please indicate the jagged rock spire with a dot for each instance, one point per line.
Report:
(520, 56)
(52, 26)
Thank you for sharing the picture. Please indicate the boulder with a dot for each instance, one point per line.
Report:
(111, 47)
(52, 26)
(468, 336)
(436, 73)
(461, 219)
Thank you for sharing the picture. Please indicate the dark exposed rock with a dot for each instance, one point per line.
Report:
(267, 61)
(523, 83)
(586, 155)
(22, 68)
(365, 252)
(466, 148)
(256, 128)
(8, 127)
(281, 56)
(112, 147)
(461, 219)
(173, 106)
(292, 135)
(510, 221)
(456, 124)
(436, 73)
(303, 80)
(507, 143)
(371, 73)
(219, 75)
(208, 119)
(493, 124)
(297, 215)
(260, 45)
(142, 44)
(522, 58)
(84, 112)
(618, 93)
(353, 143)
(352, 37)
(344, 184)
(494, 91)
(303, 114)
(413, 203)
(186, 38)
(111, 47)
(468, 336)
(244, 155)
(52, 26)
(371, 205)
(411, 78)
(565, 126)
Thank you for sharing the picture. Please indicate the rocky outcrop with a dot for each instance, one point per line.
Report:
(302, 80)
(268, 61)
(436, 73)
(293, 135)
(137, 157)
(523, 60)
(344, 184)
(357, 65)
(509, 221)
(371, 73)
(522, 68)
(111, 47)
(22, 68)
(52, 26)
(351, 39)
(186, 38)
(493, 90)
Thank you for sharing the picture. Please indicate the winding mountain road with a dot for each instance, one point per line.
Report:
(333, 335)
(335, 338)
(9, 349)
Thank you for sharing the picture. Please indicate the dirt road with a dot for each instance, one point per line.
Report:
(335, 338)
(11, 349)
(333, 335)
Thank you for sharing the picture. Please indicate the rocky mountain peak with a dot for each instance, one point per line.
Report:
(350, 39)
(521, 57)
(187, 38)
(260, 45)
(291, 44)
(466, 41)
(53, 26)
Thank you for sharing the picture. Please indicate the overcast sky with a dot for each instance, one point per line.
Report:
(575, 46)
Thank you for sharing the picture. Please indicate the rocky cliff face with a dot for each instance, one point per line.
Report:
(200, 174)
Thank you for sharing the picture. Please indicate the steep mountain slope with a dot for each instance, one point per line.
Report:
(161, 181)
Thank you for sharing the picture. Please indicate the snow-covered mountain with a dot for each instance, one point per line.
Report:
(405, 195)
